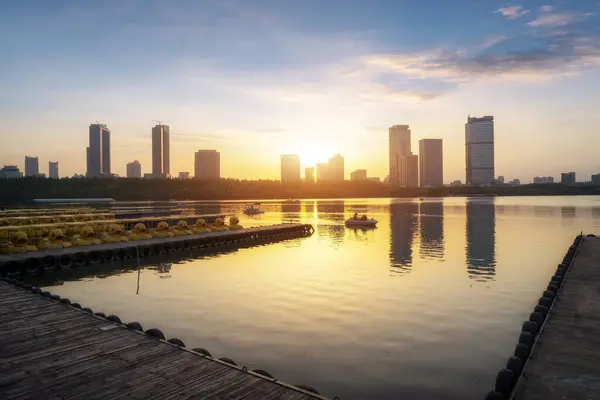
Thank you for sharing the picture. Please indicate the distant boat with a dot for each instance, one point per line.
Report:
(251, 210)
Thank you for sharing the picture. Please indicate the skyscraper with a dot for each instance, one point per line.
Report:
(32, 166)
(566, 178)
(431, 162)
(161, 160)
(290, 168)
(479, 150)
(53, 170)
(358, 175)
(400, 148)
(409, 171)
(98, 152)
(134, 169)
(323, 174)
(336, 168)
(309, 174)
(207, 164)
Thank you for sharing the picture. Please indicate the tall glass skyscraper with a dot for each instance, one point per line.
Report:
(479, 150)
(161, 160)
(98, 152)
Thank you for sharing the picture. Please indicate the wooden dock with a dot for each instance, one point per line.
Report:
(565, 361)
(53, 350)
(77, 256)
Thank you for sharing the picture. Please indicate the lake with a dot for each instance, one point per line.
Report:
(428, 305)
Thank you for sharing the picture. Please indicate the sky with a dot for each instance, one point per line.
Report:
(255, 79)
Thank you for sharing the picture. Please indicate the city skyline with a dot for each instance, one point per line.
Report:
(316, 80)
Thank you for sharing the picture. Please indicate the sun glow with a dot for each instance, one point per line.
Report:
(311, 153)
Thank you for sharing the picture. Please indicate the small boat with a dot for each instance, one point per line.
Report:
(360, 222)
(251, 210)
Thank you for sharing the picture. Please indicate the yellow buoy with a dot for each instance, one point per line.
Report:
(162, 230)
(200, 226)
(87, 237)
(219, 225)
(139, 232)
(234, 223)
(114, 234)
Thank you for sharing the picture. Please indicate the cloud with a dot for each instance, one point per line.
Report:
(547, 8)
(512, 12)
(554, 56)
(493, 40)
(557, 19)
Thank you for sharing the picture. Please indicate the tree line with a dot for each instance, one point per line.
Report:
(18, 191)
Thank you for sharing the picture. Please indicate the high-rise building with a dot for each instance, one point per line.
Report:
(309, 174)
(207, 164)
(53, 170)
(10, 172)
(539, 180)
(290, 168)
(566, 178)
(431, 163)
(98, 152)
(595, 179)
(161, 159)
(409, 171)
(336, 168)
(399, 146)
(32, 166)
(323, 174)
(358, 175)
(134, 169)
(479, 150)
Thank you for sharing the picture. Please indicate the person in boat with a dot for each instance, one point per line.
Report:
(363, 218)
(355, 216)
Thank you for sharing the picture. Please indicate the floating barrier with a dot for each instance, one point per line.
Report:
(508, 377)
(72, 257)
(74, 226)
(157, 334)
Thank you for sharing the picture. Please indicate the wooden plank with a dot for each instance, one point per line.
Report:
(51, 351)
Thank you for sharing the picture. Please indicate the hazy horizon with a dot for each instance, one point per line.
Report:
(255, 79)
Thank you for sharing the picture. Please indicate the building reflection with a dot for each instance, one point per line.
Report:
(403, 226)
(431, 222)
(332, 210)
(481, 240)
(568, 212)
(212, 208)
(291, 211)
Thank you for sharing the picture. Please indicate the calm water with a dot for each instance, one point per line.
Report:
(427, 306)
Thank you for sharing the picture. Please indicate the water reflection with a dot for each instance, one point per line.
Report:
(332, 210)
(334, 234)
(568, 212)
(291, 211)
(403, 227)
(431, 221)
(481, 240)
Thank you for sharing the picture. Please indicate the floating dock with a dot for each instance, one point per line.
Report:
(565, 362)
(52, 349)
(78, 256)
(557, 354)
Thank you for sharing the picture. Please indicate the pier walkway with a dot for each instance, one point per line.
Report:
(77, 256)
(565, 362)
(51, 350)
